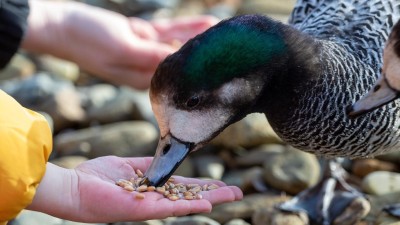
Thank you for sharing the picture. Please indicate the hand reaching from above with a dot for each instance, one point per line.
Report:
(116, 48)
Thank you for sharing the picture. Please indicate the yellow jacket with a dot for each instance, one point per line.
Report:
(25, 146)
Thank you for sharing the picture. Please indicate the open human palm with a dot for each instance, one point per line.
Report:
(100, 200)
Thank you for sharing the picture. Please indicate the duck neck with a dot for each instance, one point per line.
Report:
(289, 76)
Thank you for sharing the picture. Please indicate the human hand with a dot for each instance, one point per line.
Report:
(116, 48)
(89, 194)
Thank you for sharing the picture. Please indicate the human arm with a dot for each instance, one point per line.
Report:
(107, 44)
(88, 193)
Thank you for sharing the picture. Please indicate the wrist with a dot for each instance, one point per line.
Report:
(54, 193)
(47, 28)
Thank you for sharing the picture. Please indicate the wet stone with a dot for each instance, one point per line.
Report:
(237, 222)
(209, 166)
(257, 155)
(124, 139)
(363, 167)
(251, 131)
(291, 170)
(381, 182)
(191, 220)
(272, 216)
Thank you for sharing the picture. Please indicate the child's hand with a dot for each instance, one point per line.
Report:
(89, 193)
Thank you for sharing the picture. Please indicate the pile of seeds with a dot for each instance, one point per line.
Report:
(170, 190)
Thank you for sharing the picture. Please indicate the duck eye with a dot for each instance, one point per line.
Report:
(193, 101)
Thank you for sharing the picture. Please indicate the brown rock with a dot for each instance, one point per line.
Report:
(363, 167)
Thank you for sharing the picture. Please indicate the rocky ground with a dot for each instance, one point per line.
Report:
(92, 118)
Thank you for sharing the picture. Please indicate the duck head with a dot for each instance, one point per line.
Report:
(211, 82)
(387, 87)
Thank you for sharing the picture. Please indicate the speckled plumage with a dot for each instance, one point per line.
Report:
(352, 36)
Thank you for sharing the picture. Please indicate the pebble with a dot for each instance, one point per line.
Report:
(187, 168)
(191, 220)
(257, 155)
(36, 218)
(19, 67)
(124, 139)
(251, 131)
(237, 222)
(363, 167)
(291, 170)
(41, 92)
(209, 166)
(248, 180)
(245, 208)
(105, 103)
(58, 67)
(381, 182)
(393, 157)
(273, 216)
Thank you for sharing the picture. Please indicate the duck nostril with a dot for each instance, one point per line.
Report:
(166, 149)
(377, 87)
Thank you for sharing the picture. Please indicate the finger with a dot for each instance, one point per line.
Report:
(143, 28)
(189, 180)
(156, 206)
(223, 194)
(145, 54)
(182, 29)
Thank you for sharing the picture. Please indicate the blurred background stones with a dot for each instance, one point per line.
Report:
(93, 118)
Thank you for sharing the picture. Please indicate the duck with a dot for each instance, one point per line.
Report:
(302, 75)
(387, 87)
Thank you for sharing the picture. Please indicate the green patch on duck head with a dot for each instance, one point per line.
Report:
(229, 50)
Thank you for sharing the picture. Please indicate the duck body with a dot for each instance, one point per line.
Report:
(349, 37)
(387, 87)
(302, 76)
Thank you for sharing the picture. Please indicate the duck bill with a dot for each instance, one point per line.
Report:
(379, 95)
(169, 155)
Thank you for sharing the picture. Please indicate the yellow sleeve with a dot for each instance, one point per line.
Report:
(25, 146)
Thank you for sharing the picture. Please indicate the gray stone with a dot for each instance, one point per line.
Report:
(237, 222)
(105, 103)
(27, 217)
(386, 219)
(381, 182)
(191, 220)
(186, 169)
(291, 170)
(209, 166)
(393, 157)
(244, 209)
(279, 10)
(69, 162)
(272, 216)
(56, 97)
(58, 67)
(378, 202)
(125, 139)
(248, 180)
(251, 131)
(257, 156)
(19, 67)
(31, 91)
